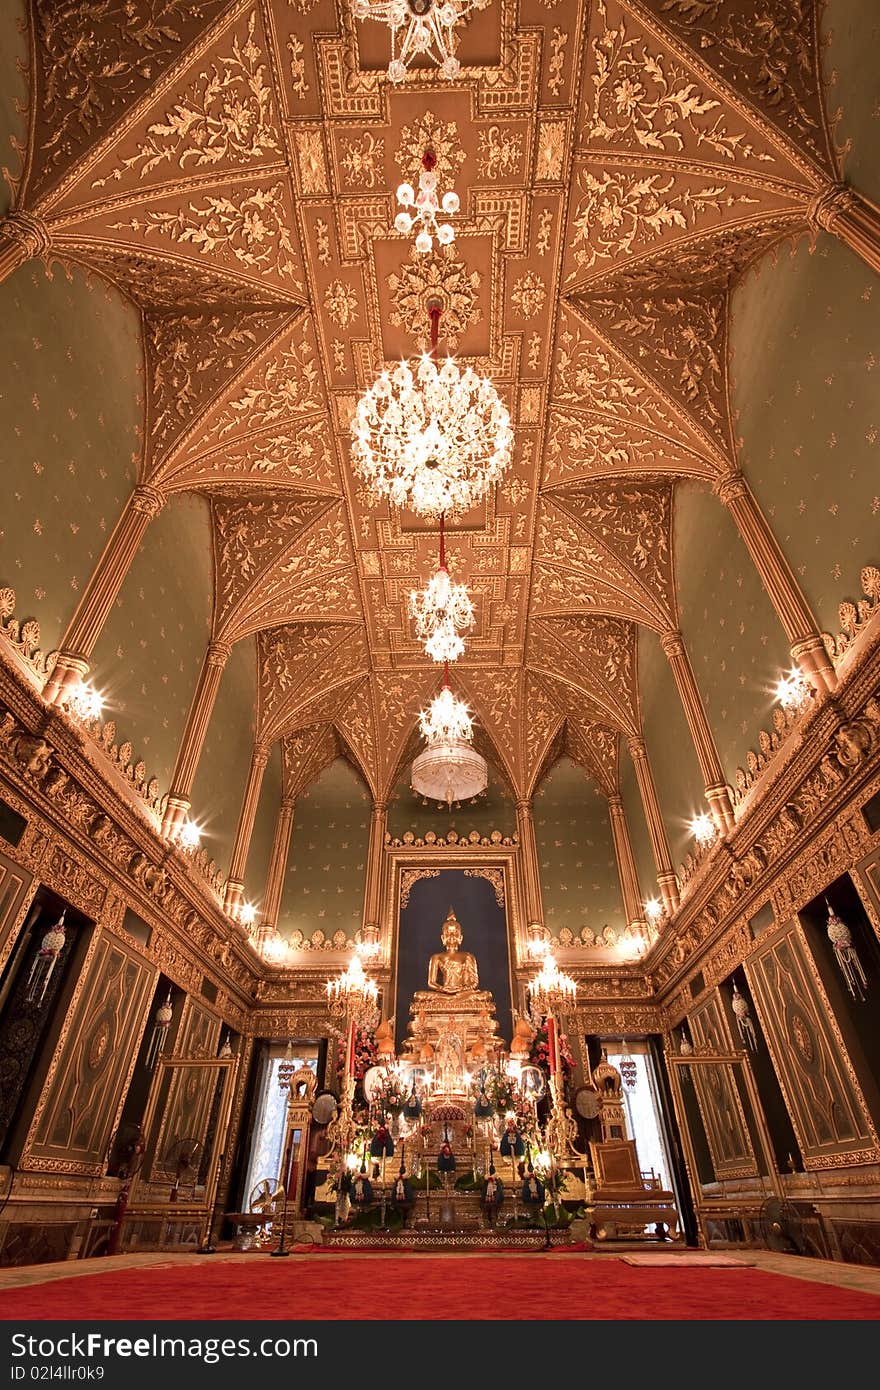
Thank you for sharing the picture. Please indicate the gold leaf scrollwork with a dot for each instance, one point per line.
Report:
(409, 878)
(493, 876)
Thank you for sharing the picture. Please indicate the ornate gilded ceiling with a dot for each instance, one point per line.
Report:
(233, 166)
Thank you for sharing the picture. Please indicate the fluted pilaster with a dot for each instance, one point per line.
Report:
(777, 576)
(277, 867)
(626, 864)
(375, 862)
(87, 623)
(528, 848)
(234, 894)
(850, 216)
(194, 734)
(717, 791)
(23, 235)
(666, 877)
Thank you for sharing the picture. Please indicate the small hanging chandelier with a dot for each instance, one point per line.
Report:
(431, 437)
(744, 1020)
(427, 31)
(442, 611)
(846, 954)
(449, 769)
(426, 205)
(45, 961)
(161, 1024)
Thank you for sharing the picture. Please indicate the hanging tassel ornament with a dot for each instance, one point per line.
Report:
(46, 959)
(744, 1021)
(161, 1024)
(840, 937)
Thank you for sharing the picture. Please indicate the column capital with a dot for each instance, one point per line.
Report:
(636, 745)
(147, 499)
(524, 805)
(828, 204)
(27, 230)
(672, 642)
(615, 803)
(218, 653)
(731, 487)
(380, 808)
(287, 805)
(261, 753)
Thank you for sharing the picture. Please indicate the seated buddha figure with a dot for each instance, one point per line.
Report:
(452, 971)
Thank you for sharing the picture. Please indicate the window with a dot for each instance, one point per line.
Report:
(266, 1154)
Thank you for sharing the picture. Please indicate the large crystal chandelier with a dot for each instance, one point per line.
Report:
(429, 437)
(419, 28)
(449, 769)
(442, 611)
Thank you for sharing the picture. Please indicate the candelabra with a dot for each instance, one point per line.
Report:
(551, 992)
(353, 997)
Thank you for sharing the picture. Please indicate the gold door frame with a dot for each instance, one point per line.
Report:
(228, 1068)
(704, 1206)
(506, 858)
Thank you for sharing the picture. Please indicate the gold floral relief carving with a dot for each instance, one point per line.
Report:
(605, 647)
(410, 877)
(622, 212)
(304, 755)
(499, 153)
(854, 617)
(251, 228)
(428, 132)
(635, 522)
(91, 68)
(286, 383)
(300, 453)
(578, 446)
(341, 303)
(285, 655)
(23, 635)
(542, 720)
(643, 99)
(550, 158)
(495, 877)
(589, 376)
(296, 67)
(357, 727)
(529, 294)
(442, 276)
(771, 55)
(249, 536)
(226, 116)
(363, 159)
(596, 749)
(310, 161)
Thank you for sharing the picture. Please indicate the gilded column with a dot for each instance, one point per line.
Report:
(528, 848)
(234, 894)
(23, 235)
(190, 750)
(850, 216)
(375, 861)
(666, 877)
(277, 867)
(626, 864)
(793, 611)
(717, 791)
(87, 623)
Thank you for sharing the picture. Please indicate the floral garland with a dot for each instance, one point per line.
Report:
(540, 1052)
(366, 1054)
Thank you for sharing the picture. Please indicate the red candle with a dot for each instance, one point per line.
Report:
(552, 1045)
(351, 1056)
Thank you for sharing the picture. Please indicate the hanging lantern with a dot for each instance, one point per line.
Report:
(744, 1021)
(628, 1068)
(45, 962)
(845, 953)
(161, 1024)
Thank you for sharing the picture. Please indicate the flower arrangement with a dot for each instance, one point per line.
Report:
(501, 1090)
(366, 1054)
(540, 1053)
(392, 1093)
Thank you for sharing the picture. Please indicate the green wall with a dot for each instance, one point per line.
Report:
(71, 410)
(148, 658)
(324, 883)
(735, 640)
(851, 69)
(670, 746)
(13, 92)
(264, 828)
(580, 885)
(805, 339)
(494, 811)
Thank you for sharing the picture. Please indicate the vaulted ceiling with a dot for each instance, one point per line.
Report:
(232, 168)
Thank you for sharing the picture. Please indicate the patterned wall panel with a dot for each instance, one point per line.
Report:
(16, 891)
(580, 884)
(670, 746)
(199, 1031)
(223, 767)
(324, 885)
(89, 1083)
(493, 811)
(821, 1093)
(717, 1096)
(867, 880)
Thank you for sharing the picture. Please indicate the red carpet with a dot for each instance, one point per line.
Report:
(430, 1287)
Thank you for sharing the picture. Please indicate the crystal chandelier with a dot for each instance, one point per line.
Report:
(551, 990)
(419, 28)
(442, 611)
(429, 437)
(426, 205)
(353, 994)
(448, 769)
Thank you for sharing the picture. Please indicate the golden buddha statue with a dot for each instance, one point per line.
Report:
(452, 971)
